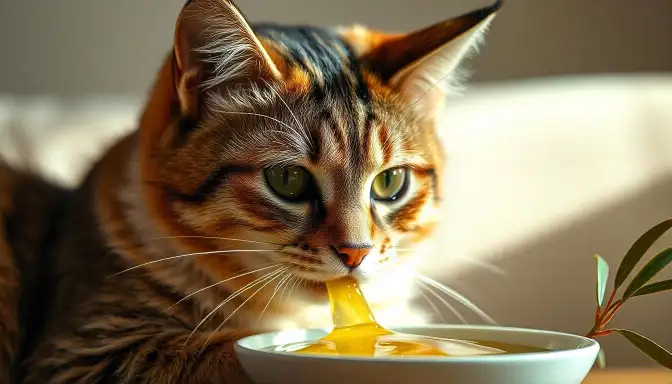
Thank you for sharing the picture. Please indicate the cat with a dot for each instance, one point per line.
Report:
(268, 159)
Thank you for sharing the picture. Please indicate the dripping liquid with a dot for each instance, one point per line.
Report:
(356, 333)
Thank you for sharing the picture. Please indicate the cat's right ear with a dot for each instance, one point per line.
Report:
(423, 64)
(215, 47)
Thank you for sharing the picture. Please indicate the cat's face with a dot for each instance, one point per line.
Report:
(331, 182)
(306, 150)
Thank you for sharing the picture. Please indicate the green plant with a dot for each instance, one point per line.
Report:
(637, 287)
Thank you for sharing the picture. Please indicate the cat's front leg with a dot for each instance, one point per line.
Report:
(137, 356)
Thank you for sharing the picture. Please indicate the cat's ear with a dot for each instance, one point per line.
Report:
(423, 64)
(215, 47)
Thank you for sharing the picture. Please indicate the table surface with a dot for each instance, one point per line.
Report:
(631, 376)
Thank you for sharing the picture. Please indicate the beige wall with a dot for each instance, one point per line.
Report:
(93, 46)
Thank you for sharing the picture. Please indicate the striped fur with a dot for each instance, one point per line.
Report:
(174, 246)
(30, 209)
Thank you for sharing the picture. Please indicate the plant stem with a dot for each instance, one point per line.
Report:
(611, 313)
(611, 300)
(603, 333)
(615, 304)
(602, 318)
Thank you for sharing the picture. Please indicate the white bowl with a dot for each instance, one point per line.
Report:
(568, 361)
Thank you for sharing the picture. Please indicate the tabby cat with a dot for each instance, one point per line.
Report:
(267, 160)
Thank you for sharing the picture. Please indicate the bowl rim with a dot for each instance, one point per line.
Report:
(585, 345)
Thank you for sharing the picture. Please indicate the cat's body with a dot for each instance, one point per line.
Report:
(256, 169)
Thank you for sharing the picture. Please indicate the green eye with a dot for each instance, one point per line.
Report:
(287, 182)
(389, 184)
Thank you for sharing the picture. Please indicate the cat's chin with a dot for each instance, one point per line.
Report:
(319, 277)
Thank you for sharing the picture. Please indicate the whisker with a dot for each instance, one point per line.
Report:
(446, 303)
(420, 98)
(260, 115)
(239, 307)
(288, 276)
(282, 294)
(457, 296)
(296, 282)
(275, 291)
(234, 295)
(191, 254)
(488, 266)
(300, 280)
(485, 265)
(303, 133)
(216, 238)
(431, 303)
(220, 282)
(301, 142)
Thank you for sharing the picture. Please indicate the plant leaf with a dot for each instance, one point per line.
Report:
(655, 265)
(649, 347)
(664, 285)
(602, 278)
(638, 249)
(601, 359)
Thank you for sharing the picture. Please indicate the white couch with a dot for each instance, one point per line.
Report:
(542, 175)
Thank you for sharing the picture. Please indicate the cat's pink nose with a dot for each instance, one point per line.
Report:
(352, 257)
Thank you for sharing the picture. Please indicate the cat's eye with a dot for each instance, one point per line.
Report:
(288, 182)
(389, 184)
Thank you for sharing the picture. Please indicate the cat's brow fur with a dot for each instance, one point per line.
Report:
(90, 278)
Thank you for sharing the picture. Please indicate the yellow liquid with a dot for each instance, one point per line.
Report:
(356, 333)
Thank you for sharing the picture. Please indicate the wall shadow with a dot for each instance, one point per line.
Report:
(550, 279)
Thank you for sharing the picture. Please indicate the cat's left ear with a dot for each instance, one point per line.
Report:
(215, 47)
(422, 65)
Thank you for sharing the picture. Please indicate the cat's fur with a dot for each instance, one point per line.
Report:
(88, 280)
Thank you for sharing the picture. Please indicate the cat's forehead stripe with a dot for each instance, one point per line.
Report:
(327, 59)
(345, 113)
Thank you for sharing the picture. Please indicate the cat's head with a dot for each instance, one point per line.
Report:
(316, 145)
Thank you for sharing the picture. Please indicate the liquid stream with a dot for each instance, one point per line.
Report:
(356, 333)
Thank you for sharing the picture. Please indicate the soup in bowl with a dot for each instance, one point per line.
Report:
(359, 350)
(560, 359)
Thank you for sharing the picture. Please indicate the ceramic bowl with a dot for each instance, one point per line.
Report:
(568, 360)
